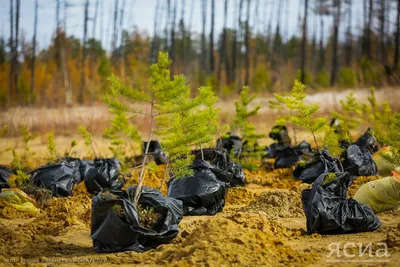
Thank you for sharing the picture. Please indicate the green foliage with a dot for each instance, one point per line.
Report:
(261, 81)
(51, 147)
(183, 123)
(20, 160)
(329, 178)
(87, 138)
(297, 112)
(307, 77)
(243, 114)
(351, 111)
(20, 179)
(3, 130)
(68, 151)
(331, 141)
(322, 79)
(347, 77)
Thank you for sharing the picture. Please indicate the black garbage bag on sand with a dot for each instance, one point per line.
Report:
(103, 174)
(232, 142)
(358, 159)
(156, 151)
(116, 225)
(60, 178)
(321, 162)
(328, 211)
(4, 175)
(81, 164)
(202, 193)
(273, 150)
(289, 156)
(223, 167)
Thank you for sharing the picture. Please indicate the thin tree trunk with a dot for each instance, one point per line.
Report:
(382, 32)
(203, 36)
(67, 85)
(234, 46)
(153, 49)
(122, 45)
(211, 69)
(397, 40)
(223, 48)
(92, 56)
(34, 53)
(16, 65)
(349, 34)
(369, 26)
(172, 47)
(183, 34)
(239, 46)
(321, 60)
(303, 44)
(83, 59)
(271, 16)
(335, 63)
(101, 21)
(12, 48)
(247, 46)
(115, 31)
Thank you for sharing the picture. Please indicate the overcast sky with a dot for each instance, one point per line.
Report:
(141, 13)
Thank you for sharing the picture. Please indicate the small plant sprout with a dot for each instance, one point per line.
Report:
(68, 151)
(182, 122)
(51, 147)
(87, 138)
(350, 114)
(331, 141)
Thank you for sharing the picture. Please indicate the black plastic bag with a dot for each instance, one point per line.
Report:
(60, 178)
(358, 159)
(328, 211)
(217, 160)
(289, 156)
(156, 151)
(359, 162)
(280, 134)
(4, 175)
(273, 150)
(202, 193)
(103, 174)
(223, 167)
(233, 142)
(322, 162)
(82, 165)
(112, 233)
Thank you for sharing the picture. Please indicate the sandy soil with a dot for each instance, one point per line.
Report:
(262, 224)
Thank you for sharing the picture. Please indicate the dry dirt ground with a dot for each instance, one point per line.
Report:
(262, 224)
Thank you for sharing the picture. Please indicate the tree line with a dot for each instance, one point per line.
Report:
(252, 52)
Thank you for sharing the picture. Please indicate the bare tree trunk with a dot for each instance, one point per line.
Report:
(368, 33)
(397, 40)
(34, 53)
(122, 45)
(67, 85)
(172, 47)
(247, 46)
(239, 46)
(321, 61)
(234, 46)
(336, 21)
(115, 31)
(12, 48)
(96, 11)
(211, 69)
(16, 65)
(382, 32)
(83, 59)
(203, 36)
(271, 16)
(92, 57)
(183, 34)
(101, 21)
(349, 34)
(153, 49)
(223, 48)
(303, 44)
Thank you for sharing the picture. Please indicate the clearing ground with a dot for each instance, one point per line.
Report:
(259, 226)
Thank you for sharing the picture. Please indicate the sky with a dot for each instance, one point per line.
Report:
(140, 13)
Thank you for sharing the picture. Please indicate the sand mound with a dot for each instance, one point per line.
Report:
(222, 241)
(393, 238)
(239, 196)
(277, 203)
(279, 178)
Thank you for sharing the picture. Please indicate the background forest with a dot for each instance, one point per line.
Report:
(257, 51)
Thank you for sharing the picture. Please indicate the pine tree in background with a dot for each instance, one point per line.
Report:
(183, 123)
